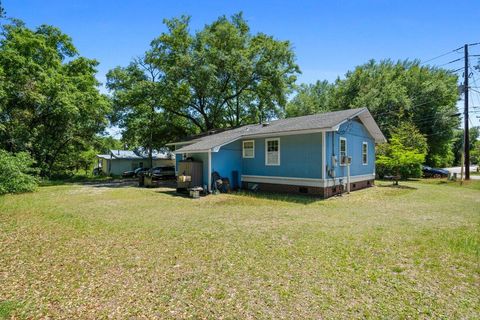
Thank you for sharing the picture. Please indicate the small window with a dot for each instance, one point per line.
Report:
(272, 152)
(365, 153)
(343, 151)
(249, 149)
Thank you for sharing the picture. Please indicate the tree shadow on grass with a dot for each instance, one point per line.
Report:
(396, 186)
(174, 193)
(301, 199)
(94, 183)
(293, 198)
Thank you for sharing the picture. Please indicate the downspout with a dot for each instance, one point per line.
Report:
(334, 167)
(324, 156)
(209, 187)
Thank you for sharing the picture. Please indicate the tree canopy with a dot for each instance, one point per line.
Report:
(138, 96)
(221, 76)
(2, 11)
(310, 99)
(394, 92)
(50, 105)
(405, 91)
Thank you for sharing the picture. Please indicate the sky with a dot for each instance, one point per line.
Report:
(329, 37)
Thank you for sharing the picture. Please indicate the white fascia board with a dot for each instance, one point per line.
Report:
(191, 151)
(217, 148)
(337, 126)
(367, 119)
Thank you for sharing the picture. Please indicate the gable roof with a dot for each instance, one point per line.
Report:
(139, 154)
(329, 121)
(104, 156)
(124, 154)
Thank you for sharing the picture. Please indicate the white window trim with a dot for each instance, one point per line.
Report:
(365, 143)
(266, 152)
(340, 151)
(243, 149)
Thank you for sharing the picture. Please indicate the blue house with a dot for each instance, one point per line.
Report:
(320, 154)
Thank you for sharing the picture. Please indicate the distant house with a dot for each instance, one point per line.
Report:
(308, 154)
(118, 161)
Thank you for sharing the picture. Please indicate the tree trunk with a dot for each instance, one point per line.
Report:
(237, 112)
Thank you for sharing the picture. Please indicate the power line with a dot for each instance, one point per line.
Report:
(456, 70)
(459, 59)
(440, 56)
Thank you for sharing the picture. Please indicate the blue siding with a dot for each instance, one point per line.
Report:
(356, 134)
(178, 158)
(300, 157)
(227, 160)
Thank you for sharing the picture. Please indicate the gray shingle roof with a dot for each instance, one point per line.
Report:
(124, 154)
(104, 156)
(139, 154)
(318, 121)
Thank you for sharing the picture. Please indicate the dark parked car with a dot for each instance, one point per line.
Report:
(159, 173)
(134, 173)
(429, 172)
(128, 174)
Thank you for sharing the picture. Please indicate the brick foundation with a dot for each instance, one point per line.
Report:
(311, 191)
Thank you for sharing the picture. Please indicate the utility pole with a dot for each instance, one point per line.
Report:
(466, 142)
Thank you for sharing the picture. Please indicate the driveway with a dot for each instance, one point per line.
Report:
(459, 169)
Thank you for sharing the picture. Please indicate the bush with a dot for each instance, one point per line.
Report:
(16, 173)
(475, 153)
(404, 155)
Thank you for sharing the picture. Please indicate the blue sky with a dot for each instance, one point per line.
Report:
(329, 37)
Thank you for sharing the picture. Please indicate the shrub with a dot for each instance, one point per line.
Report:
(475, 153)
(404, 155)
(16, 173)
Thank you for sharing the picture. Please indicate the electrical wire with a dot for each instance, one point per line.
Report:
(440, 56)
(459, 59)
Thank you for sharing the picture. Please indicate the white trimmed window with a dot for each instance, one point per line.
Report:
(365, 153)
(343, 151)
(248, 149)
(272, 152)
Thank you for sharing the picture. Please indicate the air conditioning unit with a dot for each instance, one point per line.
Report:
(346, 160)
(334, 161)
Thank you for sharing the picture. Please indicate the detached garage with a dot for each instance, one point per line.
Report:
(118, 161)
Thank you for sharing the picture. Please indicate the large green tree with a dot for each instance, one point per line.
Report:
(138, 95)
(405, 91)
(222, 75)
(50, 105)
(310, 99)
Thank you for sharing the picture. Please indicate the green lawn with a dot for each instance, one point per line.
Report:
(73, 251)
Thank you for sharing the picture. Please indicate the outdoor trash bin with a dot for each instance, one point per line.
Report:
(141, 181)
(195, 192)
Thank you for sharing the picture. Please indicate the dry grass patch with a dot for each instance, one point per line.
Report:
(87, 252)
